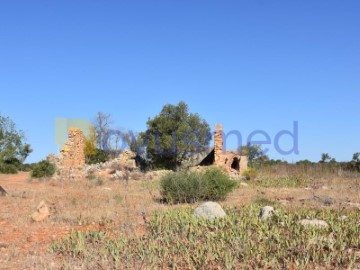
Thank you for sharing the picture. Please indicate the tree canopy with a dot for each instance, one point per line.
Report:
(173, 136)
(13, 149)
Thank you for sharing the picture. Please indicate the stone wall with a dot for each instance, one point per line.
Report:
(71, 160)
(73, 151)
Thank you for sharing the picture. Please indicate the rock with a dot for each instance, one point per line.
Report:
(118, 175)
(244, 184)
(314, 222)
(284, 202)
(42, 212)
(209, 210)
(324, 199)
(127, 159)
(343, 218)
(2, 191)
(266, 212)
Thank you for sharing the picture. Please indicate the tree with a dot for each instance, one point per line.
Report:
(174, 135)
(325, 157)
(355, 163)
(255, 154)
(13, 149)
(356, 157)
(102, 124)
(91, 142)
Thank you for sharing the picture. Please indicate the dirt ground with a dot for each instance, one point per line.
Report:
(119, 207)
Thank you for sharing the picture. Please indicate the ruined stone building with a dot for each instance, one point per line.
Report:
(229, 160)
(71, 160)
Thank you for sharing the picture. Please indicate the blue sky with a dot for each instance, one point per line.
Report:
(250, 65)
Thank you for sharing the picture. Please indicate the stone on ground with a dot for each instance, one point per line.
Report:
(209, 210)
(266, 212)
(2, 191)
(42, 212)
(314, 222)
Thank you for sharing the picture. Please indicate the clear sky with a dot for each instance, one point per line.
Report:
(248, 64)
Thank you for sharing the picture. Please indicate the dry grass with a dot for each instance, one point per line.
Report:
(124, 208)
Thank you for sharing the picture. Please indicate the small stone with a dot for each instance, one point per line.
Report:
(244, 184)
(284, 202)
(2, 191)
(314, 222)
(209, 210)
(266, 212)
(42, 212)
(343, 218)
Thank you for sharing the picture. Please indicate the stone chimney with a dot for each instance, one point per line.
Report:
(218, 144)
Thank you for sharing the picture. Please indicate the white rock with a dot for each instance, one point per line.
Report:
(314, 222)
(244, 184)
(266, 212)
(209, 210)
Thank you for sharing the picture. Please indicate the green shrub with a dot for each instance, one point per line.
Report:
(99, 157)
(189, 187)
(8, 168)
(250, 174)
(43, 169)
(26, 167)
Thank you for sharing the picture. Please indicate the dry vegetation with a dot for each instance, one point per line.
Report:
(104, 224)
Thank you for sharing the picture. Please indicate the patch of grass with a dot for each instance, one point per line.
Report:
(151, 185)
(250, 174)
(290, 181)
(177, 240)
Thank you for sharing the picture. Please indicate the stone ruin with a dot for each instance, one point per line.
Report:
(70, 163)
(71, 160)
(231, 161)
(73, 151)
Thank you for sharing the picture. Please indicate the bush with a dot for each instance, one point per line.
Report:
(189, 187)
(250, 174)
(43, 169)
(8, 168)
(99, 157)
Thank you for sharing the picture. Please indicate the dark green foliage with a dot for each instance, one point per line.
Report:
(189, 187)
(173, 136)
(8, 168)
(13, 149)
(99, 157)
(12, 142)
(43, 169)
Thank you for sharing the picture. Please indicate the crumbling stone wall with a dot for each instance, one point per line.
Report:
(71, 160)
(73, 151)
